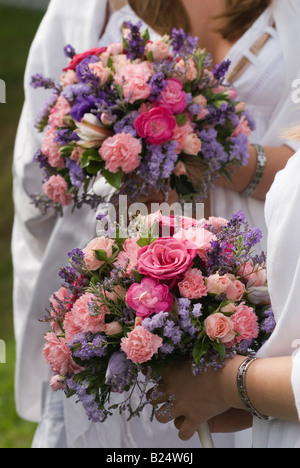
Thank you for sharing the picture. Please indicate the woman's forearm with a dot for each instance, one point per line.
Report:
(277, 158)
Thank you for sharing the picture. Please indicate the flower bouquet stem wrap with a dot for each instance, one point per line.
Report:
(158, 112)
(177, 288)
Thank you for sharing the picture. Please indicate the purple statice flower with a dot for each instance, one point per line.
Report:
(156, 321)
(86, 346)
(172, 331)
(269, 323)
(158, 163)
(39, 81)
(184, 317)
(88, 400)
(171, 158)
(125, 125)
(213, 151)
(120, 372)
(183, 43)
(43, 162)
(69, 51)
(136, 43)
(72, 91)
(239, 151)
(75, 173)
(221, 69)
(64, 136)
(76, 256)
(157, 84)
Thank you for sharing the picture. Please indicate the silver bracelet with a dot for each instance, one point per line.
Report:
(241, 385)
(260, 168)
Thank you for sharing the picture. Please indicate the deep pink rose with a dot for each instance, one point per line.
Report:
(140, 345)
(156, 126)
(173, 98)
(59, 357)
(166, 259)
(149, 297)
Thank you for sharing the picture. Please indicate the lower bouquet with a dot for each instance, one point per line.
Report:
(179, 288)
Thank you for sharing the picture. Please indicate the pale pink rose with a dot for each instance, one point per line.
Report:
(134, 80)
(112, 328)
(217, 222)
(56, 189)
(240, 107)
(69, 78)
(180, 169)
(50, 148)
(200, 100)
(115, 48)
(117, 294)
(202, 114)
(218, 327)
(156, 126)
(235, 290)
(193, 285)
(173, 98)
(253, 275)
(99, 243)
(59, 357)
(128, 257)
(245, 323)
(121, 151)
(119, 62)
(140, 345)
(102, 72)
(200, 237)
(187, 69)
(229, 308)
(84, 316)
(192, 145)
(160, 49)
(243, 127)
(217, 284)
(181, 133)
(91, 132)
(149, 297)
(57, 382)
(59, 113)
(166, 259)
(77, 154)
(232, 94)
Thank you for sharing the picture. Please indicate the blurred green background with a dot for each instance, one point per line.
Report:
(17, 29)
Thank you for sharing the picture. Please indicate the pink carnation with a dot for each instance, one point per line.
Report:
(134, 79)
(218, 327)
(128, 257)
(99, 243)
(50, 148)
(173, 98)
(59, 357)
(166, 259)
(193, 285)
(59, 112)
(245, 323)
(200, 237)
(140, 345)
(84, 314)
(156, 126)
(121, 151)
(149, 297)
(56, 189)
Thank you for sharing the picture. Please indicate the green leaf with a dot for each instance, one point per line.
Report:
(114, 179)
(182, 185)
(200, 350)
(101, 255)
(137, 276)
(181, 119)
(146, 35)
(220, 348)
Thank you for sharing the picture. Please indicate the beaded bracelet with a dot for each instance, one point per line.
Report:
(260, 168)
(241, 385)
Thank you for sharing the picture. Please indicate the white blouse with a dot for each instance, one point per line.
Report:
(43, 244)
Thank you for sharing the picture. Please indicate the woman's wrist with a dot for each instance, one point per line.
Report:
(228, 385)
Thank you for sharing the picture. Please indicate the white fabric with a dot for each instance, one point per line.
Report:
(282, 215)
(40, 245)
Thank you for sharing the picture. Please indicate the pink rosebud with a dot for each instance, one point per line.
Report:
(192, 145)
(218, 327)
(141, 345)
(193, 285)
(235, 290)
(217, 284)
(112, 328)
(160, 49)
(102, 72)
(156, 126)
(149, 297)
(56, 189)
(99, 243)
(121, 151)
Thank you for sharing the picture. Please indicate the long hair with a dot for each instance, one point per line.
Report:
(164, 15)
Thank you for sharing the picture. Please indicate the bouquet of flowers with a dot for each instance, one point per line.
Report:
(180, 288)
(145, 115)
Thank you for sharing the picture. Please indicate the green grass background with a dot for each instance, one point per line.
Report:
(17, 30)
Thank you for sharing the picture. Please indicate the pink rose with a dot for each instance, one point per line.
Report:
(242, 127)
(128, 257)
(217, 222)
(192, 145)
(121, 151)
(166, 259)
(50, 148)
(56, 189)
(218, 327)
(181, 133)
(115, 48)
(217, 284)
(149, 297)
(245, 323)
(235, 290)
(77, 154)
(156, 126)
(84, 317)
(173, 98)
(160, 49)
(193, 286)
(140, 345)
(200, 237)
(69, 78)
(112, 328)
(59, 113)
(59, 357)
(180, 169)
(253, 275)
(99, 243)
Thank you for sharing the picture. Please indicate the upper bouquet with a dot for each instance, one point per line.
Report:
(129, 306)
(145, 115)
